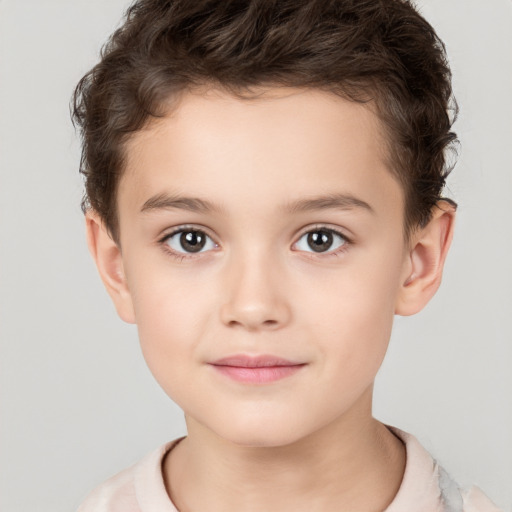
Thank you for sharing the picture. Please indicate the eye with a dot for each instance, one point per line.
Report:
(321, 240)
(189, 241)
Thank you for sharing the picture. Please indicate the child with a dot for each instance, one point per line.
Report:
(263, 194)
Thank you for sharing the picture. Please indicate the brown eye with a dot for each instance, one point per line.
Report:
(189, 241)
(192, 241)
(321, 240)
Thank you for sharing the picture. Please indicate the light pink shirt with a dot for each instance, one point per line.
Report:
(426, 487)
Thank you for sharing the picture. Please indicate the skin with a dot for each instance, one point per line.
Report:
(309, 441)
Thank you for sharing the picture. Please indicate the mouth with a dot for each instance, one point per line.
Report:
(256, 369)
(256, 361)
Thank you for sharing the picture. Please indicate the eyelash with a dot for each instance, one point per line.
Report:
(181, 256)
(335, 253)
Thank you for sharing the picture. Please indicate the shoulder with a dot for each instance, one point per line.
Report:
(139, 488)
(114, 495)
(476, 501)
(456, 498)
(428, 487)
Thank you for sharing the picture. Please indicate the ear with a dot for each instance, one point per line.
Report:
(424, 263)
(107, 256)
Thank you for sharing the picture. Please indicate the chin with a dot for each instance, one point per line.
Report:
(260, 440)
(271, 434)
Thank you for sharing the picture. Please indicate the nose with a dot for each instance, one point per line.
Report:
(255, 295)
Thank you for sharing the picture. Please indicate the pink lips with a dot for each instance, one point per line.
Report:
(256, 369)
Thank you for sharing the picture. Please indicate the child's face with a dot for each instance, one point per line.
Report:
(257, 285)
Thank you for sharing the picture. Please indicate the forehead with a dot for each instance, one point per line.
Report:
(282, 145)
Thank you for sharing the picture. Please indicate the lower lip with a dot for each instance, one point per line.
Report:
(258, 375)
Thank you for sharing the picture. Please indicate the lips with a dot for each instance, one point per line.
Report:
(257, 361)
(256, 369)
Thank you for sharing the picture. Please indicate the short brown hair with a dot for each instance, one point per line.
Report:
(379, 50)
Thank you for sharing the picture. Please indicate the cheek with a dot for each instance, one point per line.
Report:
(171, 318)
(352, 351)
(353, 317)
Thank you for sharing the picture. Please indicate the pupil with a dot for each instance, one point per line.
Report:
(192, 241)
(320, 241)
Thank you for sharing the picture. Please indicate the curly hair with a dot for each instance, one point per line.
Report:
(379, 51)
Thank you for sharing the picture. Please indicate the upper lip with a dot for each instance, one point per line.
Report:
(254, 361)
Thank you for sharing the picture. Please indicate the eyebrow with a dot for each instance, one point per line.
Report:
(167, 201)
(195, 204)
(326, 202)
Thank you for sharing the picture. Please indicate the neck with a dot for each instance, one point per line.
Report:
(353, 464)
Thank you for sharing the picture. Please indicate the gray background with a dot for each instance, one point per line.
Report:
(77, 402)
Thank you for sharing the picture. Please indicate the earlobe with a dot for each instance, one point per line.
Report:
(107, 256)
(425, 260)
